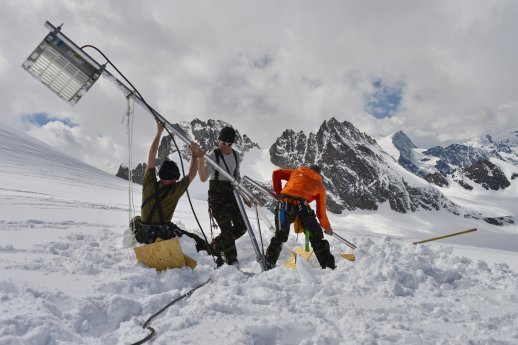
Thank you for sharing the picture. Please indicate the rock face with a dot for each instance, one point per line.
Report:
(462, 162)
(488, 175)
(405, 147)
(137, 174)
(459, 155)
(506, 144)
(357, 173)
(205, 133)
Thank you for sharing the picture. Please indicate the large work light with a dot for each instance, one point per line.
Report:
(62, 66)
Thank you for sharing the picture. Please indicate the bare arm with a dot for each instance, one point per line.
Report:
(151, 159)
(201, 167)
(193, 167)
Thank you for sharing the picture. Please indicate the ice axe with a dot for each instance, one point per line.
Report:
(346, 256)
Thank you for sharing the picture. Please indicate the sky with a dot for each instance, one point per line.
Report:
(65, 277)
(441, 71)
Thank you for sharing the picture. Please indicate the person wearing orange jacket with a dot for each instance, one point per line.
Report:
(302, 187)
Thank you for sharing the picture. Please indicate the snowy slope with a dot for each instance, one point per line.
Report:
(506, 144)
(401, 148)
(65, 279)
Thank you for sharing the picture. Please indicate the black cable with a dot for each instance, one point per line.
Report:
(190, 201)
(167, 130)
(148, 321)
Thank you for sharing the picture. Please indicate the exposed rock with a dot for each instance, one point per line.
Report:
(459, 155)
(137, 173)
(355, 169)
(437, 179)
(488, 175)
(205, 133)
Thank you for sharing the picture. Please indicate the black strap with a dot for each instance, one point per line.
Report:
(218, 154)
(159, 195)
(153, 196)
(292, 198)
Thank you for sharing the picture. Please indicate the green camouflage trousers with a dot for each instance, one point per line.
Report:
(224, 209)
(316, 235)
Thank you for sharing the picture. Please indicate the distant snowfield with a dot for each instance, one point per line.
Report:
(65, 278)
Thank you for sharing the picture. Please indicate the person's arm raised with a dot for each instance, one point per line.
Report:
(151, 159)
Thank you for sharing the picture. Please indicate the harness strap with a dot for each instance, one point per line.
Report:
(296, 200)
(159, 195)
(218, 154)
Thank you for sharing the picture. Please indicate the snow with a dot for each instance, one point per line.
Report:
(387, 145)
(65, 278)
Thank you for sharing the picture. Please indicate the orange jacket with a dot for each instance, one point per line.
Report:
(306, 183)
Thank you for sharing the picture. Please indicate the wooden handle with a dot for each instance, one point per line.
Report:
(450, 235)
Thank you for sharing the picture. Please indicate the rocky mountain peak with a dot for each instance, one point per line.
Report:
(403, 143)
(355, 169)
(460, 155)
(205, 133)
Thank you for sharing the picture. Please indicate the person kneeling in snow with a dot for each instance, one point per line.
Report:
(304, 185)
(159, 198)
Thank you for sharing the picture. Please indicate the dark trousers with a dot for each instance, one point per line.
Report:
(224, 209)
(316, 235)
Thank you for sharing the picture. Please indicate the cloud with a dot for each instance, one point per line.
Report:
(96, 150)
(445, 68)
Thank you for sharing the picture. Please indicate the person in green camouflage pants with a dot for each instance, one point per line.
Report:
(222, 203)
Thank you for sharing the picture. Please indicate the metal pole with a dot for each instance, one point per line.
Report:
(349, 244)
(259, 256)
(265, 191)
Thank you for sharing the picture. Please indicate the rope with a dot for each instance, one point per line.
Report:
(146, 324)
(128, 116)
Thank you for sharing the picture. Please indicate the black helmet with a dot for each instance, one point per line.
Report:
(315, 168)
(169, 171)
(228, 135)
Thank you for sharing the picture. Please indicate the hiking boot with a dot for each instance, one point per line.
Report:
(217, 254)
(219, 261)
(234, 263)
(269, 265)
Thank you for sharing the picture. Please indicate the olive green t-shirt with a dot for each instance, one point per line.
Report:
(168, 204)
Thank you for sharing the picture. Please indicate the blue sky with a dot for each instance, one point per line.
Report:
(41, 119)
(384, 100)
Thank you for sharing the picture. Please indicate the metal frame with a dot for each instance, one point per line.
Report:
(239, 189)
(61, 66)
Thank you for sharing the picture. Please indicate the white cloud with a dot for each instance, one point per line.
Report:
(98, 151)
(270, 66)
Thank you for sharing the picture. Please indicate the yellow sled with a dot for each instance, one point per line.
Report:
(349, 257)
(295, 254)
(162, 255)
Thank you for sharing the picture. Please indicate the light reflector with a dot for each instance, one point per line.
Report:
(60, 65)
